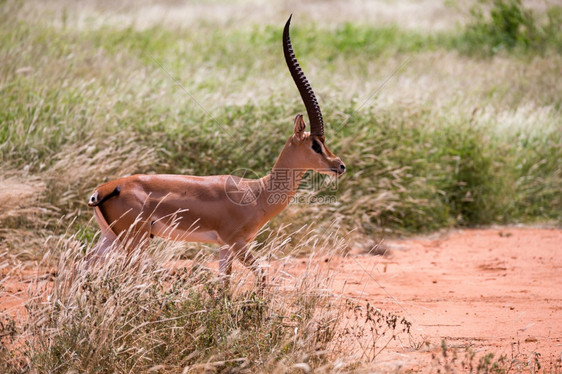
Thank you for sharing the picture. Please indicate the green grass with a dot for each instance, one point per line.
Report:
(415, 165)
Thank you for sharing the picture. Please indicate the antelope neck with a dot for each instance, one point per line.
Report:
(283, 181)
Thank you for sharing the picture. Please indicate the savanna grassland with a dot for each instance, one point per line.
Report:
(446, 115)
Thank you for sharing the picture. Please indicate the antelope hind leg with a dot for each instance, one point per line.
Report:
(107, 240)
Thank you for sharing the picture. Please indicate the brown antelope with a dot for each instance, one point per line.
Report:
(221, 209)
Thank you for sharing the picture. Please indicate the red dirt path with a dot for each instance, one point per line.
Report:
(485, 288)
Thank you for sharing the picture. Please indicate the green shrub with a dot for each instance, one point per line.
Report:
(505, 25)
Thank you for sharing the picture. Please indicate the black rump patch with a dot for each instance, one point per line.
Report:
(113, 193)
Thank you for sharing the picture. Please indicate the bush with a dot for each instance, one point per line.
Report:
(505, 25)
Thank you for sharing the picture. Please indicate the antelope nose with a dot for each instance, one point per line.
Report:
(342, 167)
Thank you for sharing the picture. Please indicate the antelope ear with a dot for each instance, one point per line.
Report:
(300, 126)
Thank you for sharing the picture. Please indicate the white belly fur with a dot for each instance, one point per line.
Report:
(194, 234)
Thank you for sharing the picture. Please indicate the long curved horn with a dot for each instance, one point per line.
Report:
(310, 102)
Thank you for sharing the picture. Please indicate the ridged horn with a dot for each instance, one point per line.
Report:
(307, 95)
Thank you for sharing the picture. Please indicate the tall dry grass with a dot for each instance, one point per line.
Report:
(149, 311)
(35, 206)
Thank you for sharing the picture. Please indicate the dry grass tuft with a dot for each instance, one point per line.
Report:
(141, 312)
(24, 214)
(147, 310)
(78, 168)
(20, 196)
(31, 205)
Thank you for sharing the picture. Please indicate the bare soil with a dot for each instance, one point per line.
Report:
(496, 290)
(488, 290)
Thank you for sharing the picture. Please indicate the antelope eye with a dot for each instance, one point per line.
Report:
(316, 146)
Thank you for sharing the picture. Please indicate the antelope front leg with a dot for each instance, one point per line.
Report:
(226, 256)
(245, 257)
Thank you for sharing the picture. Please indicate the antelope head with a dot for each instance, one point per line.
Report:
(308, 148)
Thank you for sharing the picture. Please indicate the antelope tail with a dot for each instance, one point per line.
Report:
(100, 196)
